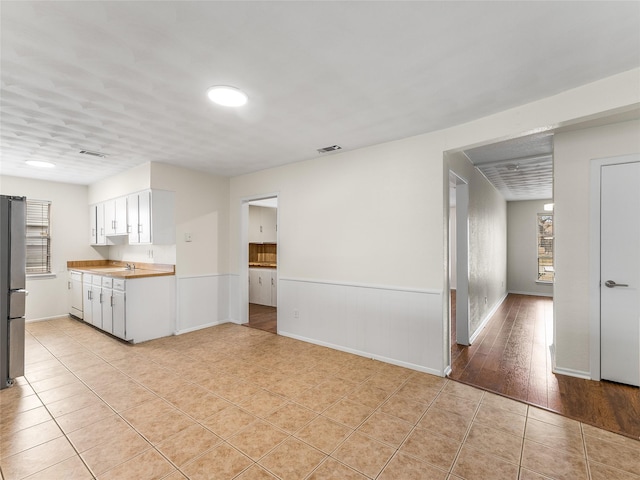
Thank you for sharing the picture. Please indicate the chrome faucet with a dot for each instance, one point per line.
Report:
(131, 266)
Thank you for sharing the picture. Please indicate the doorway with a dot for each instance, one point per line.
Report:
(262, 263)
(615, 274)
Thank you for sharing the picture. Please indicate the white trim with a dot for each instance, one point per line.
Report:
(392, 361)
(486, 319)
(533, 294)
(447, 371)
(573, 373)
(200, 327)
(594, 255)
(40, 276)
(45, 319)
(203, 275)
(362, 285)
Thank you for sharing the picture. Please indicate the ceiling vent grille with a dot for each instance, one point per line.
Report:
(332, 148)
(94, 154)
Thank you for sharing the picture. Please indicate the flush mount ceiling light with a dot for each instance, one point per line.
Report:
(227, 96)
(39, 164)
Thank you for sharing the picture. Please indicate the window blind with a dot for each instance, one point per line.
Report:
(38, 236)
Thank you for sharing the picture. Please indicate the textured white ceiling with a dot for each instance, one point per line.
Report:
(130, 78)
(521, 169)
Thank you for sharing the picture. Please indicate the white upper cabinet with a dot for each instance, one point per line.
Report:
(262, 224)
(146, 217)
(115, 216)
(97, 233)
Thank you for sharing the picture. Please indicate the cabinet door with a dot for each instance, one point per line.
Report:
(255, 224)
(265, 287)
(101, 232)
(93, 225)
(106, 298)
(120, 216)
(132, 218)
(274, 288)
(254, 285)
(88, 301)
(109, 217)
(144, 217)
(269, 225)
(119, 319)
(96, 306)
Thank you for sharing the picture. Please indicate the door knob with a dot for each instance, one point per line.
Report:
(612, 284)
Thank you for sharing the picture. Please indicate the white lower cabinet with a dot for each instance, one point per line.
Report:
(106, 304)
(118, 309)
(87, 298)
(135, 310)
(96, 301)
(263, 284)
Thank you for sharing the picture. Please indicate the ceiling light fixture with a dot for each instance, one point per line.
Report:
(39, 164)
(227, 96)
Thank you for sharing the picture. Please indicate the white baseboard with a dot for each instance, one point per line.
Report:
(573, 373)
(486, 319)
(380, 358)
(533, 294)
(200, 327)
(44, 319)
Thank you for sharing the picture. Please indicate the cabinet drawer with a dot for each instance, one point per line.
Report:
(76, 276)
(107, 282)
(118, 283)
(97, 280)
(87, 278)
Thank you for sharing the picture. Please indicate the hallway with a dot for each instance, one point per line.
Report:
(511, 357)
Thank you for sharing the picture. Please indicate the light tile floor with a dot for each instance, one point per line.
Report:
(233, 402)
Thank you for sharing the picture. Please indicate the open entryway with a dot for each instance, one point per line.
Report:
(261, 248)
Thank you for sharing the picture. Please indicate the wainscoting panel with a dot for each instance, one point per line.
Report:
(403, 327)
(203, 301)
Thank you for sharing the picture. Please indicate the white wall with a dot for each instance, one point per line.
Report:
(573, 152)
(202, 268)
(487, 220)
(202, 210)
(374, 218)
(133, 180)
(69, 241)
(522, 249)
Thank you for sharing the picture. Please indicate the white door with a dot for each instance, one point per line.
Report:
(620, 273)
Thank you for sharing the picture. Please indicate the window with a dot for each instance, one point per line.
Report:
(546, 271)
(38, 237)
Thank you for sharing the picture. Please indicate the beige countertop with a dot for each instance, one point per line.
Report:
(117, 269)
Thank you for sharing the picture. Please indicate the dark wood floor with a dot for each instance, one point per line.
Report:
(263, 318)
(511, 357)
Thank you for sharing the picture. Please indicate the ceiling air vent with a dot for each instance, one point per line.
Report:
(95, 154)
(332, 148)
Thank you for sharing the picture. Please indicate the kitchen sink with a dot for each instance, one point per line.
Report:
(111, 269)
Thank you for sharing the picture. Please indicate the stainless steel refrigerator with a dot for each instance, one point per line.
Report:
(12, 287)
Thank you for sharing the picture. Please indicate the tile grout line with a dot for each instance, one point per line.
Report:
(49, 411)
